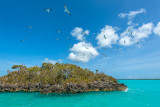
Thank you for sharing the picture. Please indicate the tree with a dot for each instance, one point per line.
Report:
(66, 73)
(47, 66)
(20, 68)
(16, 66)
(96, 70)
(35, 68)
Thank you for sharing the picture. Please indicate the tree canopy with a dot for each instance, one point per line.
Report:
(54, 74)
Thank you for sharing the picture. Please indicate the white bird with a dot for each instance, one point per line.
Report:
(29, 27)
(137, 43)
(59, 31)
(48, 10)
(23, 40)
(57, 39)
(104, 55)
(117, 49)
(131, 35)
(83, 33)
(68, 37)
(91, 54)
(66, 10)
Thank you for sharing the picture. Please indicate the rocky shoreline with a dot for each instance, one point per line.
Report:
(67, 88)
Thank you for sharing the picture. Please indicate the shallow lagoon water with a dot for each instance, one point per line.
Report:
(140, 93)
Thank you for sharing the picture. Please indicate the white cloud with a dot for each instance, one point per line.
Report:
(137, 34)
(79, 33)
(107, 36)
(143, 32)
(157, 29)
(46, 60)
(82, 52)
(132, 14)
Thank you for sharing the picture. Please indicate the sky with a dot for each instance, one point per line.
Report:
(118, 37)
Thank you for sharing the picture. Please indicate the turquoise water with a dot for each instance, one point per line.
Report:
(141, 93)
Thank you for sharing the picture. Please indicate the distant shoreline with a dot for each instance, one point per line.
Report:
(138, 79)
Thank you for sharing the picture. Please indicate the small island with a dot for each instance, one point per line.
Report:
(57, 78)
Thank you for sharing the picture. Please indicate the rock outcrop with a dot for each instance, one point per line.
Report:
(67, 88)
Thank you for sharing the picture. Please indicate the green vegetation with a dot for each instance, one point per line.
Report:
(54, 74)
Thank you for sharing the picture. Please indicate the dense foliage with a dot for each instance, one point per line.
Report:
(53, 74)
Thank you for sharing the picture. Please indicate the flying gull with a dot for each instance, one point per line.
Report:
(59, 31)
(131, 35)
(83, 33)
(66, 10)
(91, 54)
(29, 27)
(57, 39)
(48, 10)
(68, 37)
(104, 55)
(137, 43)
(23, 40)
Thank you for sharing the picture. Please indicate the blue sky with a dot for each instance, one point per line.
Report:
(95, 18)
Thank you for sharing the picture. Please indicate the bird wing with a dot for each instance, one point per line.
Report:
(83, 33)
(47, 9)
(104, 55)
(59, 31)
(67, 9)
(29, 26)
(69, 13)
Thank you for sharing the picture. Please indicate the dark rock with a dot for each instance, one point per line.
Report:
(67, 88)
